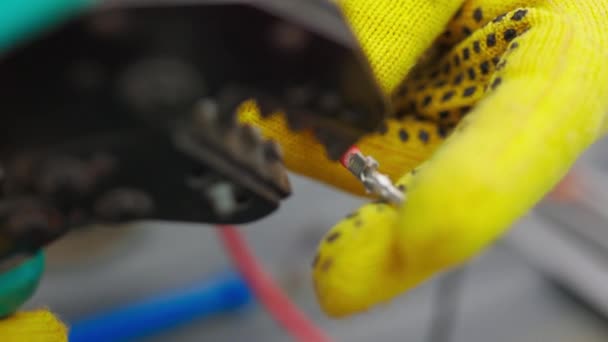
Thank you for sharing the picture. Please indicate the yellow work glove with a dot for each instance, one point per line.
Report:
(525, 85)
(32, 326)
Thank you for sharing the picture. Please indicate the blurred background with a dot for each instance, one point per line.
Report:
(545, 281)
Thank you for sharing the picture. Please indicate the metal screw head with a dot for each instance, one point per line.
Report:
(222, 198)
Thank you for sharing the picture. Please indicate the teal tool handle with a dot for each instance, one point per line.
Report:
(21, 20)
(18, 284)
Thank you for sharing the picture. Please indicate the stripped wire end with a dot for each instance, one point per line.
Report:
(365, 168)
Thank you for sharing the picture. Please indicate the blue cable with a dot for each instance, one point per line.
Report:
(224, 294)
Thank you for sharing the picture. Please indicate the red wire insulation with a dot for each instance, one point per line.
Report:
(346, 156)
(272, 297)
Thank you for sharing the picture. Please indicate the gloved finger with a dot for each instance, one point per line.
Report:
(394, 34)
(543, 104)
(36, 325)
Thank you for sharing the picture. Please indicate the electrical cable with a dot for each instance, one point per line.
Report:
(272, 297)
(225, 293)
(283, 311)
(345, 159)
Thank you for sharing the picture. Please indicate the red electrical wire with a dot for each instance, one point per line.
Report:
(346, 156)
(272, 297)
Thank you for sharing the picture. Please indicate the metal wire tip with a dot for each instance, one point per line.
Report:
(365, 168)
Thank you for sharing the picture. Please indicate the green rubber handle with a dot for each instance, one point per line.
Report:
(18, 284)
(21, 20)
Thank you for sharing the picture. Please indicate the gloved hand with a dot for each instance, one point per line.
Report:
(498, 99)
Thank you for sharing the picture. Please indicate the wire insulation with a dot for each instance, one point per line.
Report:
(346, 156)
(270, 295)
(218, 295)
